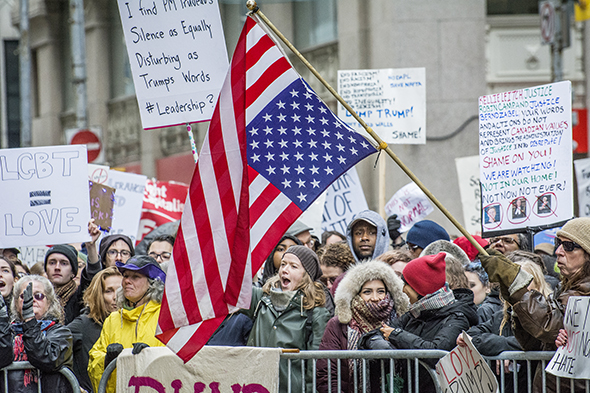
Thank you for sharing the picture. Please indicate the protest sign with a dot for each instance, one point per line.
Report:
(391, 101)
(468, 173)
(44, 194)
(102, 199)
(312, 216)
(525, 141)
(163, 201)
(30, 255)
(215, 369)
(463, 370)
(410, 204)
(573, 359)
(344, 199)
(583, 179)
(178, 58)
(98, 173)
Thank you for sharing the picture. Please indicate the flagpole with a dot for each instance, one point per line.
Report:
(254, 9)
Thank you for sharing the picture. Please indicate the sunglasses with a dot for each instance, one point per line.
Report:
(567, 245)
(505, 240)
(325, 280)
(412, 247)
(37, 296)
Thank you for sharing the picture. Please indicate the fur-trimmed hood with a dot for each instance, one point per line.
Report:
(448, 248)
(357, 276)
(382, 242)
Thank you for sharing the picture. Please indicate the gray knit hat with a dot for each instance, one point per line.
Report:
(577, 230)
(308, 259)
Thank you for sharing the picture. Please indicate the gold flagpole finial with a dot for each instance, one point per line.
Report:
(252, 6)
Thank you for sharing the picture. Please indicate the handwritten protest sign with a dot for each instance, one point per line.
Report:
(30, 255)
(573, 359)
(102, 199)
(212, 369)
(583, 179)
(525, 141)
(344, 199)
(391, 101)
(464, 370)
(178, 58)
(163, 202)
(468, 173)
(129, 188)
(44, 194)
(410, 204)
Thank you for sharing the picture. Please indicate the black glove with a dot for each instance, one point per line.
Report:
(3, 309)
(393, 225)
(28, 312)
(113, 350)
(138, 347)
(374, 340)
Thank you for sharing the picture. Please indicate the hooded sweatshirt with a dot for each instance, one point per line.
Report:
(382, 243)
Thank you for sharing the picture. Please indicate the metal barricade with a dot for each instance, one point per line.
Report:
(66, 372)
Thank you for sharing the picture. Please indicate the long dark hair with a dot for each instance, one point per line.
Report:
(269, 266)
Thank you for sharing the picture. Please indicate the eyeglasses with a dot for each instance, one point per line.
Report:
(567, 245)
(506, 240)
(37, 296)
(165, 255)
(325, 280)
(114, 253)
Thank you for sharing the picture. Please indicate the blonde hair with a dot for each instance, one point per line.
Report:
(93, 296)
(313, 292)
(538, 284)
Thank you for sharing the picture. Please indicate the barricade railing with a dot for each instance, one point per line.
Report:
(66, 372)
(413, 359)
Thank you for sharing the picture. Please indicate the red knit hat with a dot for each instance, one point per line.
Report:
(468, 247)
(426, 274)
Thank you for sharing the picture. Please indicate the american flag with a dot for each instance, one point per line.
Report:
(272, 148)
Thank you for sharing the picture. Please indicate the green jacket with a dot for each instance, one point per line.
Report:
(285, 330)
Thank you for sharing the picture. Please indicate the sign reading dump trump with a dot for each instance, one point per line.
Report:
(44, 194)
(391, 101)
(525, 142)
(178, 58)
(573, 359)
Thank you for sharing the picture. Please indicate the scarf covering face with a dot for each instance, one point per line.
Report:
(434, 301)
(65, 292)
(20, 354)
(367, 316)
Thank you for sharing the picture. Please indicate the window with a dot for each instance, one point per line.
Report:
(121, 78)
(511, 7)
(12, 92)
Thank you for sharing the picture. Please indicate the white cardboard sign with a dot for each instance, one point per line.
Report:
(391, 101)
(44, 194)
(178, 58)
(344, 199)
(583, 179)
(525, 141)
(410, 204)
(468, 173)
(573, 359)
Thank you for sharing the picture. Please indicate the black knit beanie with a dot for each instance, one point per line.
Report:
(308, 259)
(66, 250)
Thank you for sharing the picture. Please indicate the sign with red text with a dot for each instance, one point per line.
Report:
(464, 370)
(525, 142)
(344, 198)
(212, 369)
(178, 58)
(44, 194)
(391, 101)
(573, 359)
(410, 204)
(163, 201)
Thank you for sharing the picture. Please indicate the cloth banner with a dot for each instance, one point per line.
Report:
(344, 198)
(469, 188)
(410, 204)
(582, 168)
(525, 141)
(464, 370)
(163, 201)
(44, 194)
(221, 369)
(573, 359)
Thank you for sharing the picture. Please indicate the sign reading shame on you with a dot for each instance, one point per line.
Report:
(525, 141)
(391, 101)
(44, 194)
(178, 58)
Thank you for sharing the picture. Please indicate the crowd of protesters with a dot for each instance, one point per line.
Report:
(369, 288)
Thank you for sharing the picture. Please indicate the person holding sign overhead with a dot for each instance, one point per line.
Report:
(539, 318)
